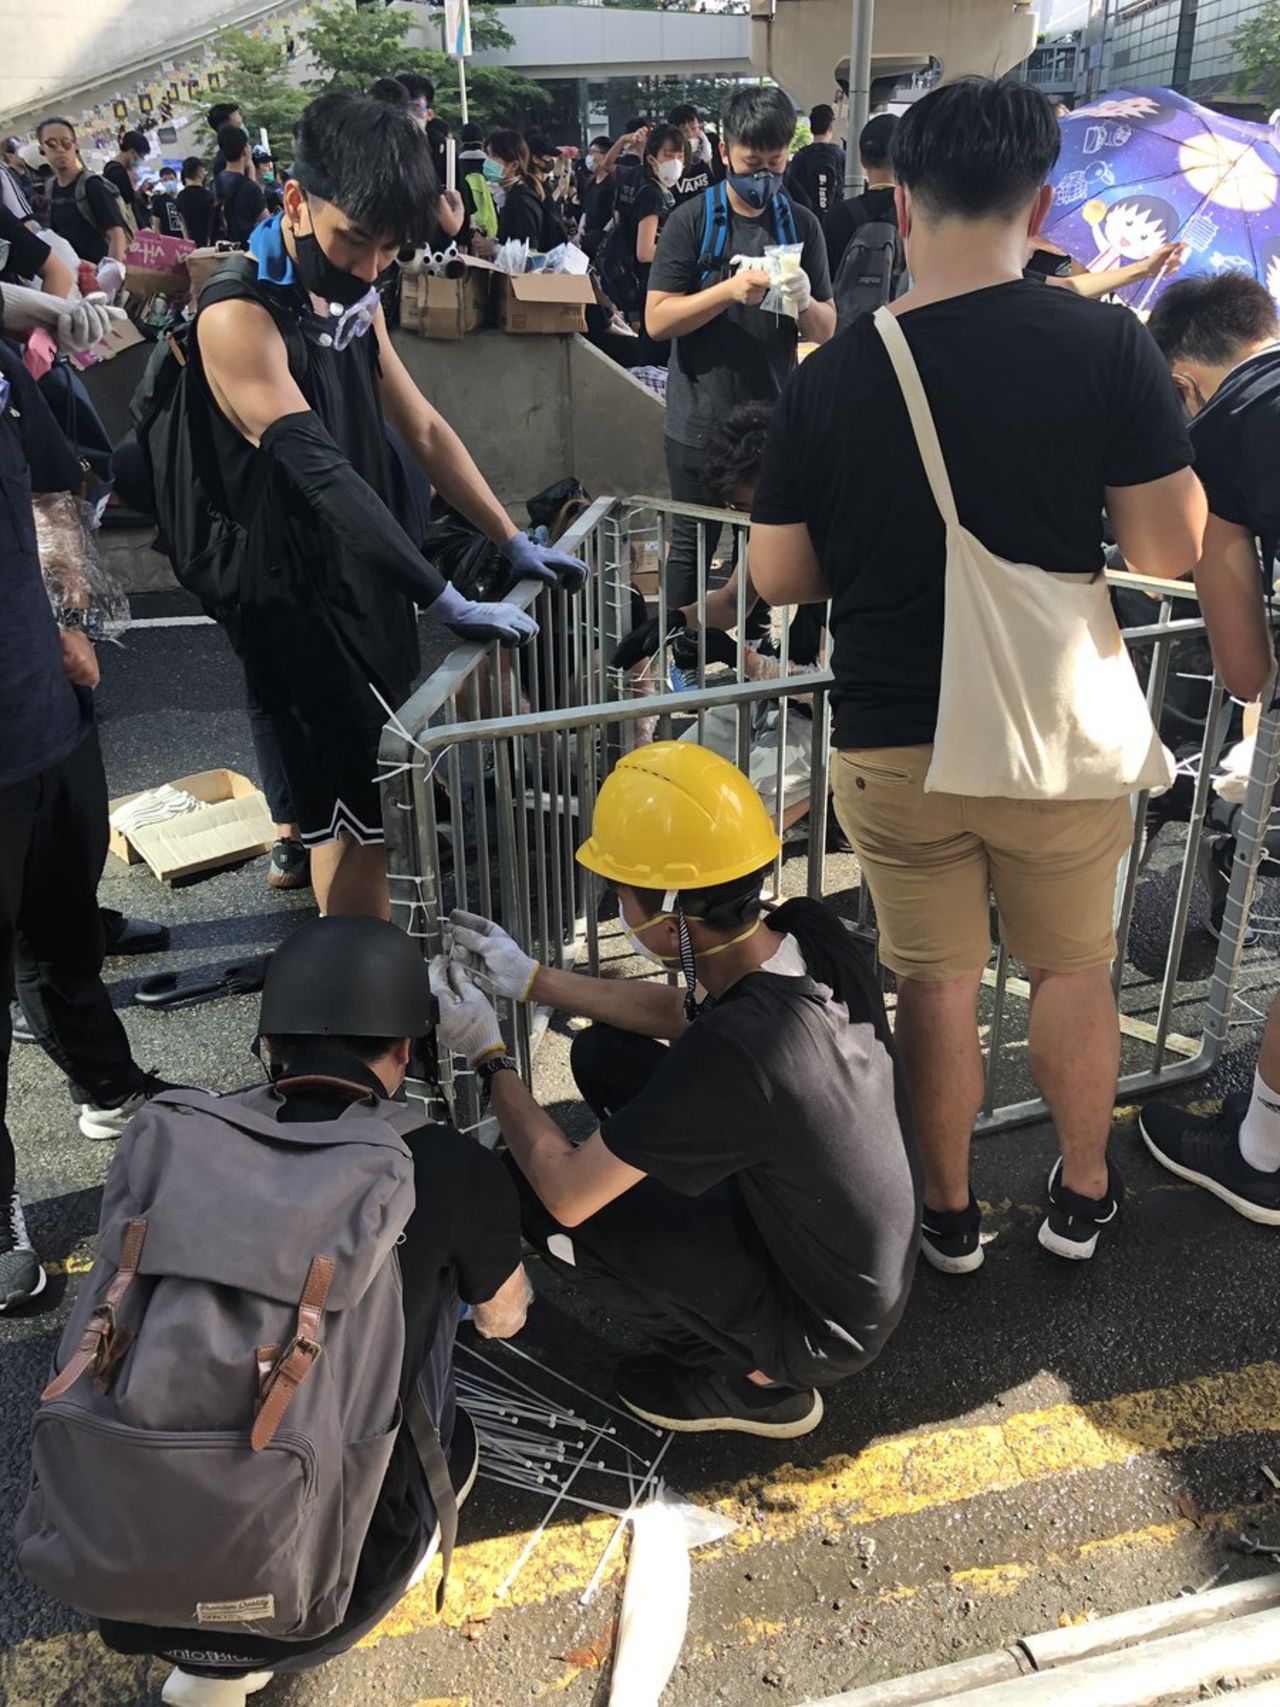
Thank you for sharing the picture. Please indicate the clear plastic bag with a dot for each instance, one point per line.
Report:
(781, 259)
(83, 594)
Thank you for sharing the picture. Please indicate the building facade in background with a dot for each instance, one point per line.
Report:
(1175, 44)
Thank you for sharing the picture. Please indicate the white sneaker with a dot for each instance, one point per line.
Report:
(109, 1123)
(183, 1690)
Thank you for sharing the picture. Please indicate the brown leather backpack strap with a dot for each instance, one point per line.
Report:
(298, 1358)
(97, 1348)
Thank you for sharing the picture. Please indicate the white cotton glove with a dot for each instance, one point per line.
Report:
(467, 1025)
(25, 309)
(87, 322)
(796, 288)
(487, 952)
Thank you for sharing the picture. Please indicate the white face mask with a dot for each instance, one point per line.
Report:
(643, 948)
(670, 172)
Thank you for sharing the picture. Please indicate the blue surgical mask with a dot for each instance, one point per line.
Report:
(492, 170)
(757, 189)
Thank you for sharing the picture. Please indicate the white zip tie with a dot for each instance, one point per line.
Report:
(589, 1593)
(538, 1533)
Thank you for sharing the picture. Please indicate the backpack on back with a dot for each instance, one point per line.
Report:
(171, 411)
(127, 216)
(210, 1450)
(869, 270)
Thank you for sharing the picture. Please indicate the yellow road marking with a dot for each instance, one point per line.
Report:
(68, 1265)
(891, 1478)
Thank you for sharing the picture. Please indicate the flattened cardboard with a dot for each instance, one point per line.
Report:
(202, 264)
(124, 335)
(234, 825)
(544, 303)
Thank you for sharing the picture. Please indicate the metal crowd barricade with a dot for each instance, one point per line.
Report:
(521, 745)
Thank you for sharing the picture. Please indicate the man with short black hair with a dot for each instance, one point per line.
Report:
(816, 173)
(195, 203)
(844, 509)
(1221, 338)
(223, 113)
(81, 208)
(303, 380)
(164, 204)
(875, 204)
(422, 96)
(239, 194)
(703, 165)
(122, 174)
(726, 350)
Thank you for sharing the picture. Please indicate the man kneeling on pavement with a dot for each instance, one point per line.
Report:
(750, 1200)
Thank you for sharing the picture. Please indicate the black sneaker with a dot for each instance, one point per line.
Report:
(21, 1276)
(698, 1401)
(19, 1024)
(132, 936)
(951, 1239)
(290, 866)
(1073, 1223)
(1205, 1149)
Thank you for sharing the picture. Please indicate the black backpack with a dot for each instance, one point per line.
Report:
(869, 270)
(172, 412)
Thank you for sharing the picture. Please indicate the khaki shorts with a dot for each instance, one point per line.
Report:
(932, 861)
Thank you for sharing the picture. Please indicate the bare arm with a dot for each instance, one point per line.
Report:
(117, 242)
(436, 446)
(1159, 526)
(247, 367)
(573, 1182)
(722, 603)
(1229, 584)
(1093, 285)
(57, 278)
(647, 239)
(503, 1315)
(631, 1004)
(673, 314)
(784, 565)
(818, 322)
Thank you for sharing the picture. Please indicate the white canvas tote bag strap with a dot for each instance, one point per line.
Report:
(904, 365)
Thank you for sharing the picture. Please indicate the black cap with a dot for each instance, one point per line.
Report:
(347, 977)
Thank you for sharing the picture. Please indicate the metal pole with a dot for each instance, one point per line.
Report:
(859, 91)
(462, 89)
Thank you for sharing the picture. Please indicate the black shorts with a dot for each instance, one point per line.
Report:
(332, 776)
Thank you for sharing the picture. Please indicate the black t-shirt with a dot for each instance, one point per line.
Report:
(195, 204)
(790, 1093)
(527, 215)
(1237, 444)
(818, 173)
(871, 207)
(164, 214)
(118, 177)
(698, 176)
(243, 204)
(597, 203)
(744, 354)
(22, 254)
(86, 236)
(649, 199)
(1028, 479)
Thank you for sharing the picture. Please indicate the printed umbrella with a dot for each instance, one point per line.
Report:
(1145, 167)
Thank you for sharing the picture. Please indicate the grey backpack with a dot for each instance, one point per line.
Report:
(225, 1399)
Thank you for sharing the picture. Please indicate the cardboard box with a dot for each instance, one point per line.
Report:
(235, 825)
(441, 307)
(202, 264)
(156, 264)
(544, 302)
(124, 335)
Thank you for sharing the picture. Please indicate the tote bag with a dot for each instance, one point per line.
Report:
(1039, 699)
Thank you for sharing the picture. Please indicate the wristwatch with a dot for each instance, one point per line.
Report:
(486, 1069)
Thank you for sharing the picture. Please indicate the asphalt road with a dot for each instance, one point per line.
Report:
(1039, 1442)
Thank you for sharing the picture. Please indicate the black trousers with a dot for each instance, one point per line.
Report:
(690, 1272)
(688, 486)
(266, 748)
(53, 845)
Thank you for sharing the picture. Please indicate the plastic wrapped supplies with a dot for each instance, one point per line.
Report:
(778, 260)
(83, 594)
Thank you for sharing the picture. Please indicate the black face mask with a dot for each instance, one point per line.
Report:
(317, 274)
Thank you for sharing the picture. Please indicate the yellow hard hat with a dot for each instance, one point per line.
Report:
(675, 816)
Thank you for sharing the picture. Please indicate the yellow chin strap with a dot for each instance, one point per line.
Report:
(699, 953)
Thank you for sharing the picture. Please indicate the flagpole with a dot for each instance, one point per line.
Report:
(462, 87)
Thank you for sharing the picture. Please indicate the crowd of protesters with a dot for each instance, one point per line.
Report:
(770, 1158)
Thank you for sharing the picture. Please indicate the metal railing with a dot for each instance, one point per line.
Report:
(520, 744)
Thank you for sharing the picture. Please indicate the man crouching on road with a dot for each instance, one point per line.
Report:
(750, 1199)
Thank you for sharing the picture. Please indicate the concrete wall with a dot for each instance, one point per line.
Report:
(600, 41)
(532, 410)
(800, 42)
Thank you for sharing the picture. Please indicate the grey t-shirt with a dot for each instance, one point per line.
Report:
(744, 354)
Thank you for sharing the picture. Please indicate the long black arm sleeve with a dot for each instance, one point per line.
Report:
(311, 460)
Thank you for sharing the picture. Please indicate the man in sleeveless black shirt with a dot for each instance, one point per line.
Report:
(306, 382)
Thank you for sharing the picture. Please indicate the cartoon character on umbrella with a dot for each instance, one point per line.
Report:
(1131, 230)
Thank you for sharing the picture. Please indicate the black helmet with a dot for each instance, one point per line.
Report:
(347, 977)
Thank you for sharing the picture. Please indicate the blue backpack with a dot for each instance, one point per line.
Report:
(713, 262)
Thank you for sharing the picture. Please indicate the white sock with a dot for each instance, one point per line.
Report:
(1260, 1133)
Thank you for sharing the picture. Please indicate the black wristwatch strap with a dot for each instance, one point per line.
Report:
(486, 1069)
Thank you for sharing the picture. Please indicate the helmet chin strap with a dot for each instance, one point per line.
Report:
(689, 959)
